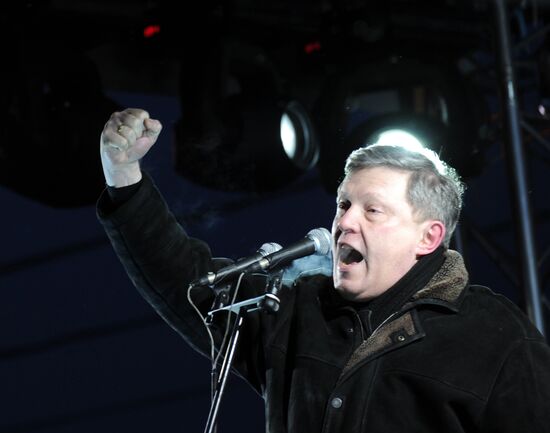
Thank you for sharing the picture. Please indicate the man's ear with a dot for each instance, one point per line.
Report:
(432, 236)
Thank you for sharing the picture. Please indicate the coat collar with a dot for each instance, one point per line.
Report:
(445, 288)
(447, 285)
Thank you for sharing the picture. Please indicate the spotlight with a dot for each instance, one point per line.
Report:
(406, 130)
(298, 136)
(240, 130)
(52, 111)
(398, 137)
(433, 102)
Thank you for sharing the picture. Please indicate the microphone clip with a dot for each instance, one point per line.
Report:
(222, 299)
(271, 301)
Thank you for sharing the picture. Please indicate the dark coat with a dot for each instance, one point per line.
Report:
(456, 358)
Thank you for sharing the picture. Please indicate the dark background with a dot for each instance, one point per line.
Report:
(80, 351)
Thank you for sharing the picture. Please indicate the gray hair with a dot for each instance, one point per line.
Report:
(435, 189)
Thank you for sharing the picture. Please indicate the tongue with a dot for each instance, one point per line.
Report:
(352, 256)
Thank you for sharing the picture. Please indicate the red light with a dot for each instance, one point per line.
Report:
(151, 30)
(312, 47)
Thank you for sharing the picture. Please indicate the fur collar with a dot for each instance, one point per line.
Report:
(447, 284)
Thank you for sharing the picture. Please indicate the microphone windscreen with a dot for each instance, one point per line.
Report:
(269, 247)
(321, 237)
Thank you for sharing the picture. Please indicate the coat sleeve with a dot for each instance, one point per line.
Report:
(161, 261)
(520, 398)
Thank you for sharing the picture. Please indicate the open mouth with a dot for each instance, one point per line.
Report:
(349, 255)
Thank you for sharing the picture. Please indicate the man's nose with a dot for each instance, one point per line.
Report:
(349, 221)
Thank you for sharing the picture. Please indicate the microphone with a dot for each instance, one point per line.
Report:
(238, 267)
(317, 241)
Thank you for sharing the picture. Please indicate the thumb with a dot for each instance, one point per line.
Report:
(148, 138)
(152, 129)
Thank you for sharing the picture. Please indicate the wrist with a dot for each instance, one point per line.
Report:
(123, 175)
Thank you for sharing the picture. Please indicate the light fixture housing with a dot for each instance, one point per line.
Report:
(240, 128)
(432, 100)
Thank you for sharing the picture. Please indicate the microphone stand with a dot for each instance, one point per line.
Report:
(268, 302)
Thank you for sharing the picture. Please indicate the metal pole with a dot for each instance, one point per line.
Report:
(517, 164)
(211, 422)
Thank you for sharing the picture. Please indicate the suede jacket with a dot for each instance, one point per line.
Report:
(455, 358)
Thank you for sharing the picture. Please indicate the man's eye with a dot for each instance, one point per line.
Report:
(342, 205)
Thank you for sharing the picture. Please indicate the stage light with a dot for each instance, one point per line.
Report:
(288, 136)
(406, 140)
(398, 137)
(53, 112)
(298, 136)
(411, 131)
(240, 129)
(432, 102)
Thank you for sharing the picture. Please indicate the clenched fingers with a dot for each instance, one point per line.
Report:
(124, 128)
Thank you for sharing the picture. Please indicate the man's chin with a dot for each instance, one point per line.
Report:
(352, 293)
(347, 292)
